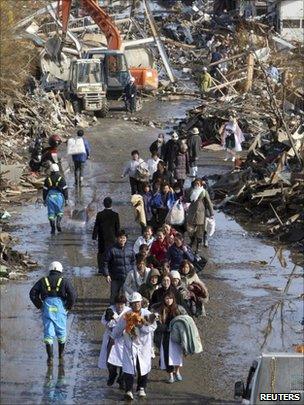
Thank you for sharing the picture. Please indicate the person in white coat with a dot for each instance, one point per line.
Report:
(136, 277)
(146, 239)
(152, 164)
(111, 349)
(130, 169)
(137, 327)
(171, 353)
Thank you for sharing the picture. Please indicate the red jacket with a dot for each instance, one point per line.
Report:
(159, 250)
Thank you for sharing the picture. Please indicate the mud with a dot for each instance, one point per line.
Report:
(246, 277)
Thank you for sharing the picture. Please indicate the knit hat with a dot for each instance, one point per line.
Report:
(175, 274)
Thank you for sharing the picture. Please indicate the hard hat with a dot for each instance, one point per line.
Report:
(174, 135)
(195, 131)
(135, 297)
(175, 274)
(57, 266)
(54, 167)
(205, 69)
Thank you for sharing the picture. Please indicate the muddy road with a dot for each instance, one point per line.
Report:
(254, 304)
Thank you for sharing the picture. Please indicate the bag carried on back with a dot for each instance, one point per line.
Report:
(142, 173)
(75, 146)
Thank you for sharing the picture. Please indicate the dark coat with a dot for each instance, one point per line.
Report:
(147, 197)
(166, 177)
(172, 148)
(181, 166)
(106, 229)
(130, 90)
(176, 255)
(118, 262)
(66, 291)
(55, 182)
(194, 144)
(158, 295)
(160, 150)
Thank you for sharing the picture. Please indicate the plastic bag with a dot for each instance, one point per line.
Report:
(176, 215)
(210, 226)
(75, 146)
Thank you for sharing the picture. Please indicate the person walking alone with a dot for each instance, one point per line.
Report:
(130, 95)
(106, 229)
(55, 196)
(80, 158)
(194, 144)
(55, 296)
(118, 262)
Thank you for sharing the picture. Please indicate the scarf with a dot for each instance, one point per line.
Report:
(196, 192)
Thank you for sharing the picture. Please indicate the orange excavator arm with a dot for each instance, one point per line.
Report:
(100, 17)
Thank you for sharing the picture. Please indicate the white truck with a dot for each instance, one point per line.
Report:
(273, 378)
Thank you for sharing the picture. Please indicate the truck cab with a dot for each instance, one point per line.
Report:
(114, 69)
(87, 90)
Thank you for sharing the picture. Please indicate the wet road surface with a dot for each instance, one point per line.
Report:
(253, 307)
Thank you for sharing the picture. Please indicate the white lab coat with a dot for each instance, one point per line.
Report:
(139, 347)
(115, 355)
(175, 355)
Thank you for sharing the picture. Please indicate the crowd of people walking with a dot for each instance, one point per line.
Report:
(155, 290)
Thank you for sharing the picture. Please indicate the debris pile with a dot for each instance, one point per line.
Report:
(269, 187)
(12, 263)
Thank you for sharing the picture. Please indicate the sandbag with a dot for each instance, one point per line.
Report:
(75, 146)
(210, 226)
(176, 215)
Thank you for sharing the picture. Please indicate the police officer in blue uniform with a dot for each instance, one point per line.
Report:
(55, 296)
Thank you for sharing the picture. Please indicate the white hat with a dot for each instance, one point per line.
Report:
(54, 167)
(195, 131)
(175, 274)
(132, 79)
(57, 266)
(174, 135)
(135, 297)
(205, 69)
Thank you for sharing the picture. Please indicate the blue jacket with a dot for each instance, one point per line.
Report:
(176, 255)
(82, 157)
(118, 262)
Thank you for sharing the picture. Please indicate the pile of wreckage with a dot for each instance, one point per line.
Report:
(269, 186)
(13, 264)
(23, 118)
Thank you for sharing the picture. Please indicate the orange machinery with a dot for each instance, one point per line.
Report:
(145, 78)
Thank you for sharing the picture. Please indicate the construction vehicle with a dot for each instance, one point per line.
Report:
(86, 88)
(114, 64)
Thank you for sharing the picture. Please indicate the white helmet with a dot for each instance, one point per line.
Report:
(135, 297)
(175, 274)
(57, 266)
(54, 167)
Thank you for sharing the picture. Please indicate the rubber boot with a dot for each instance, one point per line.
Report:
(49, 351)
(61, 352)
(53, 228)
(58, 223)
(205, 239)
(198, 243)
